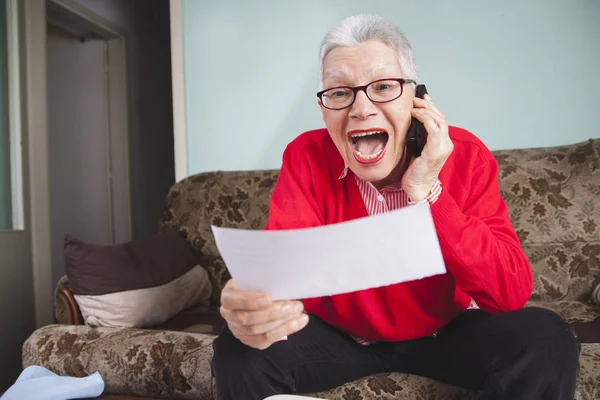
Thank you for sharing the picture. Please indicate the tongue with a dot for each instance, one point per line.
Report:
(368, 145)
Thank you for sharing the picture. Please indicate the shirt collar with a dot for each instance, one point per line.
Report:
(344, 172)
(394, 187)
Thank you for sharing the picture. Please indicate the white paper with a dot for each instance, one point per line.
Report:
(369, 252)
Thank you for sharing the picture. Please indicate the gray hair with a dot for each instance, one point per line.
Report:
(358, 29)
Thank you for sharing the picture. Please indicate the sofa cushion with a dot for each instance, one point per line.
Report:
(552, 193)
(177, 365)
(552, 196)
(397, 386)
(196, 319)
(133, 362)
(564, 271)
(571, 311)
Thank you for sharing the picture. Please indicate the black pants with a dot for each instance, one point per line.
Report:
(528, 354)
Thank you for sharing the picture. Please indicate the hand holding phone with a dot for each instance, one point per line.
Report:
(429, 144)
(417, 135)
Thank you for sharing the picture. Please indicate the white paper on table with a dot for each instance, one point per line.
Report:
(380, 250)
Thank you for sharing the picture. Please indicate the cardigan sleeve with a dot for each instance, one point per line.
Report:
(480, 246)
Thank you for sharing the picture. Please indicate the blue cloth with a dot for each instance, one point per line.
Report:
(37, 383)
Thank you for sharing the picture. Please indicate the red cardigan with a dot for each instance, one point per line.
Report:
(483, 257)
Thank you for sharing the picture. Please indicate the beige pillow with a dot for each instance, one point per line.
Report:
(146, 307)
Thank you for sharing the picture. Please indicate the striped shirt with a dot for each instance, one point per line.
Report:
(391, 197)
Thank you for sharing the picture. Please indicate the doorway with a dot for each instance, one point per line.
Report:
(88, 140)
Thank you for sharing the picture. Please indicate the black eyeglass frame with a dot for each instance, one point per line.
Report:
(356, 89)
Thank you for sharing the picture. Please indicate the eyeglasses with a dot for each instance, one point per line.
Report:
(379, 91)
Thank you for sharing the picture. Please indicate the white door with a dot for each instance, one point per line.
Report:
(77, 142)
(87, 135)
(16, 276)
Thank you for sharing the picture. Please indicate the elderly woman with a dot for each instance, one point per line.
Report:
(467, 327)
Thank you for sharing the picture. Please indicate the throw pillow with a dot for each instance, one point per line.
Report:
(107, 280)
(146, 307)
(100, 269)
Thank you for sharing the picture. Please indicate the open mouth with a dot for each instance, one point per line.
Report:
(368, 145)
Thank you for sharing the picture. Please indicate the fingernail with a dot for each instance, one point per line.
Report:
(303, 319)
(298, 308)
(283, 338)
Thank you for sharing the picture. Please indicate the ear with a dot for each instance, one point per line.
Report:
(323, 109)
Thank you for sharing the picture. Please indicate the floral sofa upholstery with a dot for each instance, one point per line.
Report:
(553, 196)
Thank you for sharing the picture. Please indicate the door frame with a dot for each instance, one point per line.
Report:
(178, 89)
(69, 14)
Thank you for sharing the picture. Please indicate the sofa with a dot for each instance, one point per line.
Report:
(553, 195)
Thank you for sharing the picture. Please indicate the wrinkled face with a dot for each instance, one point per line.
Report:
(371, 137)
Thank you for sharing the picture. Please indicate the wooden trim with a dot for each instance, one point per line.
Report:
(178, 81)
(58, 10)
(33, 20)
(15, 115)
(118, 136)
(74, 316)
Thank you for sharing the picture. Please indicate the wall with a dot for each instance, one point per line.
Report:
(150, 103)
(516, 73)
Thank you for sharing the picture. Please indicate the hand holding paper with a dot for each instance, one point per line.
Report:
(257, 321)
(381, 250)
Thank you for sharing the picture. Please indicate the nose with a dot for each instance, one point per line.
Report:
(362, 108)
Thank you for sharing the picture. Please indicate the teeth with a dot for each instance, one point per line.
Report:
(368, 156)
(361, 134)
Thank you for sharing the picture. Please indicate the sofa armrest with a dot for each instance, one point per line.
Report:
(596, 294)
(135, 362)
(66, 309)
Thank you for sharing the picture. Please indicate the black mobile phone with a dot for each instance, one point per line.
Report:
(417, 135)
